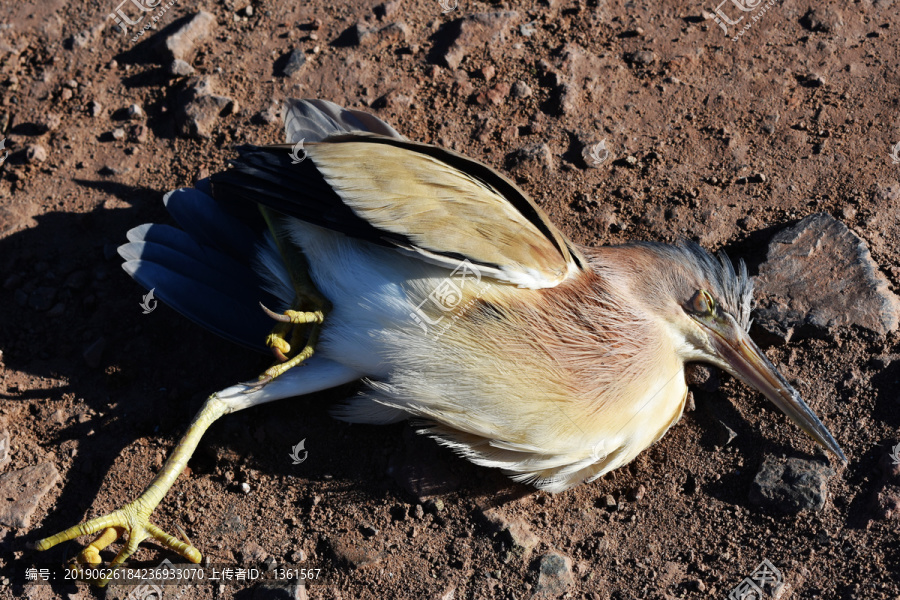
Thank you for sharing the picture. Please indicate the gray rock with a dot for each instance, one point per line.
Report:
(252, 552)
(295, 60)
(473, 31)
(85, 37)
(554, 576)
(35, 153)
(821, 19)
(269, 116)
(516, 535)
(199, 108)
(49, 122)
(791, 485)
(535, 154)
(569, 99)
(387, 9)
(20, 492)
(818, 276)
(391, 33)
(95, 109)
(180, 43)
(180, 68)
(641, 58)
(520, 89)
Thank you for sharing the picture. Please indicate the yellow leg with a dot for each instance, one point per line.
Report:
(308, 308)
(134, 517)
(288, 324)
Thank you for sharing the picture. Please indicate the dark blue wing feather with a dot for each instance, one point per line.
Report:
(206, 272)
(226, 315)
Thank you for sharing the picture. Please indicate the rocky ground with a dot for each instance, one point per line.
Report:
(624, 120)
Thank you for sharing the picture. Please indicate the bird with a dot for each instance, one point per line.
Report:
(443, 286)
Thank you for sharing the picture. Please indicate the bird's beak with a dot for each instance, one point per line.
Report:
(743, 359)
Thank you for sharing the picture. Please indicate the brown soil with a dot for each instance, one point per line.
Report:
(811, 104)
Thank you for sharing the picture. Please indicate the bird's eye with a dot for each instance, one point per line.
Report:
(702, 303)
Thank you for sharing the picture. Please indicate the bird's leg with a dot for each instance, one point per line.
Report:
(284, 350)
(306, 315)
(134, 517)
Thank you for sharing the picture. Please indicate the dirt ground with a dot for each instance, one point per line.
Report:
(718, 140)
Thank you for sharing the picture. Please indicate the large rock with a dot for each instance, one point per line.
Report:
(791, 485)
(818, 276)
(20, 492)
(179, 43)
(471, 32)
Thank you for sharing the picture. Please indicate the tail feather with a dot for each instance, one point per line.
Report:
(222, 313)
(204, 219)
(209, 271)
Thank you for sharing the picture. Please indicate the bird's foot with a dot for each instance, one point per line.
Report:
(283, 350)
(134, 519)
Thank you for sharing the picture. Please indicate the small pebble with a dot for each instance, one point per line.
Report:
(94, 108)
(520, 89)
(35, 153)
(134, 112)
(245, 487)
(638, 493)
(118, 133)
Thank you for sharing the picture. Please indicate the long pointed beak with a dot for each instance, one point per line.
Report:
(744, 360)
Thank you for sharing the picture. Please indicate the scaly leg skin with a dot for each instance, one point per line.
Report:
(134, 517)
(308, 308)
(288, 323)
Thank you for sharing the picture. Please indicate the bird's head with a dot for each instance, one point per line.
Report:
(707, 304)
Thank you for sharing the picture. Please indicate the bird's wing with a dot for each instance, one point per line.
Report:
(436, 204)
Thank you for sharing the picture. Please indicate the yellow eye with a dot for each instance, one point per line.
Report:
(702, 303)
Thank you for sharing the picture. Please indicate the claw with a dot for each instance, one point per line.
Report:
(278, 317)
